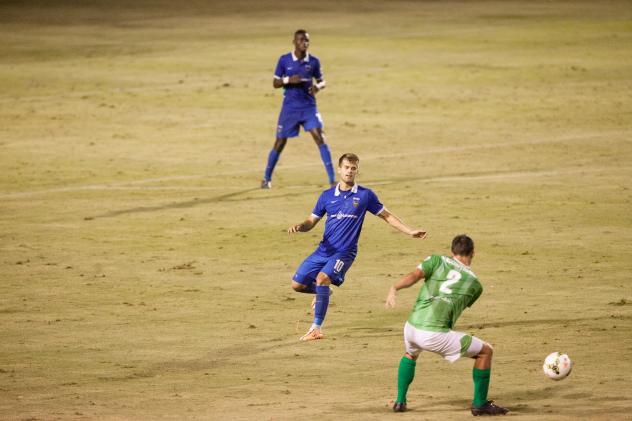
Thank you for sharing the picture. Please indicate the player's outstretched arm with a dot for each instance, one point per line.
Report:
(304, 226)
(406, 281)
(394, 221)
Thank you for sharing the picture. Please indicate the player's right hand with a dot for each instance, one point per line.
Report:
(419, 234)
(294, 228)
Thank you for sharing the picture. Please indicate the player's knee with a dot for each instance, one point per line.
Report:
(319, 137)
(280, 144)
(298, 287)
(487, 350)
(323, 279)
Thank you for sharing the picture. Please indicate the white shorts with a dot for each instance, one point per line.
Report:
(450, 345)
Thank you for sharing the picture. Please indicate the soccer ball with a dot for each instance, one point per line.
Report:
(557, 366)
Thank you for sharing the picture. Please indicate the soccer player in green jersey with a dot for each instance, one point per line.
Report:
(450, 286)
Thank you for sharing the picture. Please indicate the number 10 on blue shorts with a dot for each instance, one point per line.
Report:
(335, 266)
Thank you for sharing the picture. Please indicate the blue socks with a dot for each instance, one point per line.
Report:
(326, 157)
(322, 302)
(273, 158)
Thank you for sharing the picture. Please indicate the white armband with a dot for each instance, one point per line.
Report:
(321, 84)
(286, 80)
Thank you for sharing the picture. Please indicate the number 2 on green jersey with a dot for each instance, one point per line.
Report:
(453, 278)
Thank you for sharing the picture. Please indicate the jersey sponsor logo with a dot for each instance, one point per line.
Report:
(341, 215)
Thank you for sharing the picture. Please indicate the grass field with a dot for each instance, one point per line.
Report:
(145, 276)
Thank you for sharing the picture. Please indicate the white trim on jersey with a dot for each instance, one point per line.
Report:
(306, 58)
(316, 216)
(354, 189)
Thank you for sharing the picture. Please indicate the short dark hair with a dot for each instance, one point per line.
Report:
(351, 157)
(462, 245)
(300, 32)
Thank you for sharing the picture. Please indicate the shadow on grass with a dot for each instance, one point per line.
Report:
(177, 205)
(228, 197)
(235, 196)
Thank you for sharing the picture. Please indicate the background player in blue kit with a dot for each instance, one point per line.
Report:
(295, 73)
(345, 206)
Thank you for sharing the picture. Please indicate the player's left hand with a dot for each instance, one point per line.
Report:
(419, 234)
(313, 90)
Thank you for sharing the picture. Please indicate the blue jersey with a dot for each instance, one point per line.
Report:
(345, 214)
(297, 96)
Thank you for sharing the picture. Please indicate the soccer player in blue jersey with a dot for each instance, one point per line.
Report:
(295, 73)
(345, 206)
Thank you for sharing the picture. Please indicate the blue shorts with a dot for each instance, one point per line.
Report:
(335, 266)
(290, 121)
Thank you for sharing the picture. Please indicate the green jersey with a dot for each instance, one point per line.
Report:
(449, 288)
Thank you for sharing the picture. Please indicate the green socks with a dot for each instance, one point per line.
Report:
(405, 376)
(481, 386)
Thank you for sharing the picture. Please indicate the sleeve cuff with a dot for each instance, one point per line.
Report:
(316, 216)
(277, 77)
(380, 211)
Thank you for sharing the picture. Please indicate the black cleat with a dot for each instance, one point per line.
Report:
(399, 407)
(489, 409)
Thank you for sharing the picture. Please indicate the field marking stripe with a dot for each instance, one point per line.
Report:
(437, 150)
(438, 179)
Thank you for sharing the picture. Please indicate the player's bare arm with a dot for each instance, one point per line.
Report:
(304, 226)
(405, 282)
(397, 223)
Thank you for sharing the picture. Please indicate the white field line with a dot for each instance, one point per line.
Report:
(208, 84)
(131, 185)
(502, 175)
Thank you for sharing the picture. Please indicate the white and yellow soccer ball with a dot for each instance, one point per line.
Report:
(557, 366)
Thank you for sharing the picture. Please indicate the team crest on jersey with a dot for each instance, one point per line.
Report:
(356, 202)
(308, 67)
